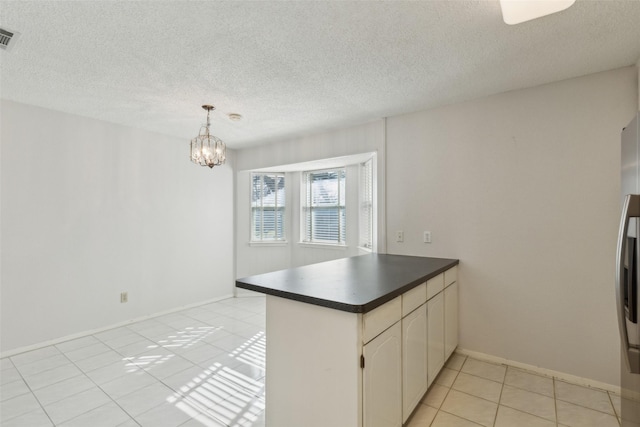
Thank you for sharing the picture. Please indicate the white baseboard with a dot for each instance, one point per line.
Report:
(587, 382)
(106, 328)
(246, 293)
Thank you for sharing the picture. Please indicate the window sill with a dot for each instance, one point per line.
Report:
(270, 243)
(323, 246)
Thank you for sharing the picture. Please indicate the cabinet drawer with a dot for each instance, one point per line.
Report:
(414, 298)
(450, 276)
(435, 285)
(381, 318)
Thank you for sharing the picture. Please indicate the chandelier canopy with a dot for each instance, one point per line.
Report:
(206, 149)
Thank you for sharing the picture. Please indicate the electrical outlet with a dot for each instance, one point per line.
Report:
(124, 297)
(426, 237)
(399, 236)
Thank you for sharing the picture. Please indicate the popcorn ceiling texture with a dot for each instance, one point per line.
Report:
(293, 68)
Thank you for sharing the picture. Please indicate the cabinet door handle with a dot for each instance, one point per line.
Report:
(630, 209)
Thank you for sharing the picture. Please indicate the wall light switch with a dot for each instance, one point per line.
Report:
(427, 237)
(124, 297)
(399, 236)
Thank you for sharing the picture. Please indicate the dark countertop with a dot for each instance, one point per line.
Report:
(357, 284)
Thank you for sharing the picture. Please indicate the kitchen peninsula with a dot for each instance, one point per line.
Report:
(356, 341)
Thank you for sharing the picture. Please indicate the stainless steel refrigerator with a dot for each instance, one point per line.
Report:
(627, 273)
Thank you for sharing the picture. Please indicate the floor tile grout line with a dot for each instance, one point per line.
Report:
(17, 395)
(555, 402)
(115, 349)
(252, 395)
(613, 406)
(498, 404)
(15, 366)
(126, 326)
(84, 373)
(90, 379)
(459, 416)
(495, 418)
(178, 392)
(74, 339)
(114, 400)
(527, 390)
(561, 380)
(97, 386)
(37, 361)
(554, 379)
(468, 394)
(34, 396)
(181, 394)
(482, 378)
(448, 391)
(555, 399)
(584, 406)
(527, 413)
(159, 380)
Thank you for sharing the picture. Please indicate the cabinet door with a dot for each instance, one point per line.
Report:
(435, 336)
(414, 359)
(382, 379)
(450, 319)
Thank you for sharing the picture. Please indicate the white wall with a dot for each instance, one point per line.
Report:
(91, 209)
(522, 187)
(310, 254)
(365, 138)
(258, 259)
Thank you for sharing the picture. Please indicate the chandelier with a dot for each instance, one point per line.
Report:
(206, 149)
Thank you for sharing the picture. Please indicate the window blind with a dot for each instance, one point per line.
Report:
(366, 204)
(324, 207)
(267, 207)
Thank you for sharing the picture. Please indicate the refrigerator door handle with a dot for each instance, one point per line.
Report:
(630, 209)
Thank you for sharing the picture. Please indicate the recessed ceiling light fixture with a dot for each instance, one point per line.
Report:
(235, 117)
(206, 149)
(517, 11)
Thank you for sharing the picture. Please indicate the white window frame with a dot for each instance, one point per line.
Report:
(261, 239)
(367, 205)
(307, 209)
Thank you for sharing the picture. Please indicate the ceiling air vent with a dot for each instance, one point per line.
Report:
(8, 39)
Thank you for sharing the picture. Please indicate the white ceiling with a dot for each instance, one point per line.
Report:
(293, 68)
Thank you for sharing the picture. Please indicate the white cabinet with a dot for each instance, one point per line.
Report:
(379, 319)
(414, 359)
(450, 319)
(332, 367)
(414, 298)
(405, 344)
(435, 285)
(435, 336)
(382, 379)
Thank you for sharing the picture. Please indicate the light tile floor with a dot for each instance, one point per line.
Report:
(472, 393)
(201, 366)
(205, 366)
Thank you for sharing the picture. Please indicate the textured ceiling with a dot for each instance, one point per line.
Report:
(293, 68)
